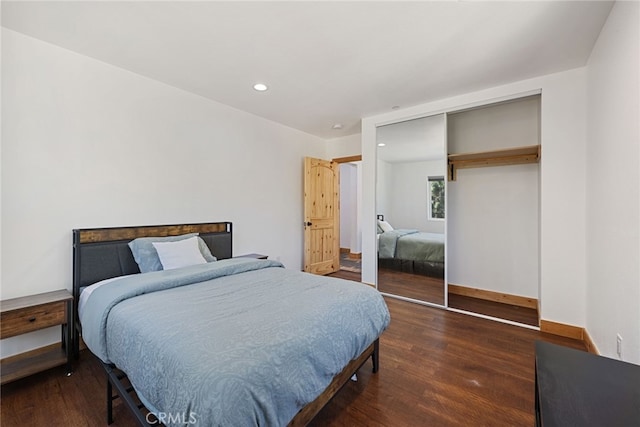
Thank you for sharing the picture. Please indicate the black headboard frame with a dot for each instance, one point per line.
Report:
(103, 253)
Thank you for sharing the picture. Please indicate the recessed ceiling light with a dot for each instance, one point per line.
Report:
(260, 87)
(381, 144)
(337, 126)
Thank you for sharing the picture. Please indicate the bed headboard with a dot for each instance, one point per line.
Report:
(103, 253)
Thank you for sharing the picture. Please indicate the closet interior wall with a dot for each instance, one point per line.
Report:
(493, 213)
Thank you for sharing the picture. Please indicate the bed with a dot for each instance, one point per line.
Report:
(410, 251)
(235, 341)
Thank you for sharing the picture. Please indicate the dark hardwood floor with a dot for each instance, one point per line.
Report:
(528, 316)
(423, 288)
(347, 263)
(349, 275)
(437, 368)
(431, 289)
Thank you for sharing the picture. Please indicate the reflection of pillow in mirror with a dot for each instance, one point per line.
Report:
(385, 226)
(181, 253)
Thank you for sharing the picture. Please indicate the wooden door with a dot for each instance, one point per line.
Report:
(321, 216)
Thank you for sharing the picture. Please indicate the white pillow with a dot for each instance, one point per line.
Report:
(182, 253)
(385, 226)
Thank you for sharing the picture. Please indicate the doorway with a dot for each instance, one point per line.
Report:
(350, 203)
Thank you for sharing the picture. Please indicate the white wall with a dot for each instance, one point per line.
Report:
(1, 138)
(345, 146)
(350, 229)
(356, 238)
(348, 204)
(86, 144)
(493, 221)
(406, 188)
(613, 185)
(504, 125)
(382, 188)
(492, 239)
(562, 171)
(410, 152)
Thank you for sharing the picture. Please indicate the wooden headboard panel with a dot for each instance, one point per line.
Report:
(103, 253)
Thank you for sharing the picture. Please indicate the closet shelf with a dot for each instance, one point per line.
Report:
(504, 157)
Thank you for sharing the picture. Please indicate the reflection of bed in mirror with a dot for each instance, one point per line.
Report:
(410, 251)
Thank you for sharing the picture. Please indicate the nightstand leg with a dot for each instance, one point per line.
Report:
(67, 338)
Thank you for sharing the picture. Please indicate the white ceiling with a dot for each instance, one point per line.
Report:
(325, 62)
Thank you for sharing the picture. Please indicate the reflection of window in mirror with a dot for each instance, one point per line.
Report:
(435, 197)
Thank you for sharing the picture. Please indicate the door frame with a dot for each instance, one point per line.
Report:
(348, 159)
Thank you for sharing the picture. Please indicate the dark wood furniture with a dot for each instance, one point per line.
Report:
(502, 157)
(31, 313)
(102, 253)
(576, 388)
(421, 268)
(253, 255)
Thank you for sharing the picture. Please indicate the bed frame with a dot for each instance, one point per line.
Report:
(103, 253)
(423, 268)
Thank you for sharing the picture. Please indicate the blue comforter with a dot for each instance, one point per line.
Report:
(237, 342)
(411, 245)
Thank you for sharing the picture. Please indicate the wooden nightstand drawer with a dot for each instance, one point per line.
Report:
(31, 319)
(31, 313)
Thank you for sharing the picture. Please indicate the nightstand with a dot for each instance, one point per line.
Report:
(256, 256)
(31, 313)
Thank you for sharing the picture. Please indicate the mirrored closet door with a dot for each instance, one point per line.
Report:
(410, 208)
